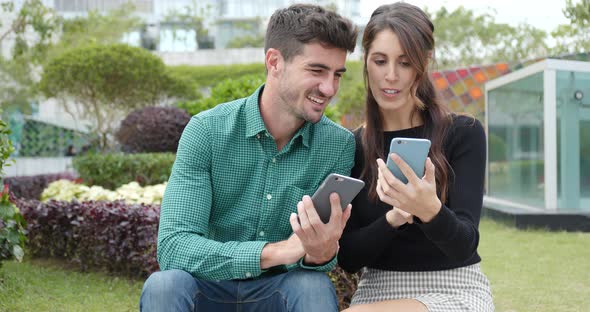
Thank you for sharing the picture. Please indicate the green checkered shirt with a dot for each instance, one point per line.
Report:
(231, 192)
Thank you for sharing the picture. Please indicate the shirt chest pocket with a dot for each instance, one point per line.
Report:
(292, 195)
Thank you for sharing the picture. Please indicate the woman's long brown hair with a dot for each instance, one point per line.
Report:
(415, 32)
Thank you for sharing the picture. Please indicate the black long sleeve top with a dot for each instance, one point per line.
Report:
(449, 240)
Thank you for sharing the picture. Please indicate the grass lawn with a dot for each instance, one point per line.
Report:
(528, 270)
(47, 285)
(536, 270)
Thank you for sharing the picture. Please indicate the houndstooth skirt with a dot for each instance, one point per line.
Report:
(460, 289)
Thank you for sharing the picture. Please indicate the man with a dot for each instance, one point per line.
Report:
(236, 193)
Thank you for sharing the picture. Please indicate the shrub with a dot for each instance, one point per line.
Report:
(206, 76)
(131, 193)
(113, 170)
(228, 90)
(12, 235)
(6, 147)
(31, 187)
(345, 284)
(152, 130)
(12, 229)
(113, 236)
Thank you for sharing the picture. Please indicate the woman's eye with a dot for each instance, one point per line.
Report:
(379, 62)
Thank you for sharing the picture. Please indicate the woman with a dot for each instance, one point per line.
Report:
(416, 242)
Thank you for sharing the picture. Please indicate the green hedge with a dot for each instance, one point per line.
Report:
(113, 170)
(208, 76)
(225, 91)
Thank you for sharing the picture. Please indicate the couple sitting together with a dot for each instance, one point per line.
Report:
(238, 229)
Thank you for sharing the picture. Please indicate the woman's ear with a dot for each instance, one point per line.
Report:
(430, 54)
(430, 62)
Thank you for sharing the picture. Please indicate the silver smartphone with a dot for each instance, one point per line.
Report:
(346, 187)
(413, 151)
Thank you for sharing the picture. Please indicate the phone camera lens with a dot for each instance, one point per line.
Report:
(399, 142)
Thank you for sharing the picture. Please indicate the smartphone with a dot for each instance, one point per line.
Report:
(413, 151)
(346, 187)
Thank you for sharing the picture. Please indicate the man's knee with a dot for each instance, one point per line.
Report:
(165, 281)
(305, 279)
(309, 291)
(310, 286)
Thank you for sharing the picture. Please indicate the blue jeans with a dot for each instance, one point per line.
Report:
(297, 290)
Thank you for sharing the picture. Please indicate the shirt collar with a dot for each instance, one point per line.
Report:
(255, 124)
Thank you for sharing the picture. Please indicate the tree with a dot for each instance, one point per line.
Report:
(575, 36)
(252, 35)
(191, 17)
(102, 83)
(40, 35)
(33, 29)
(464, 38)
(97, 28)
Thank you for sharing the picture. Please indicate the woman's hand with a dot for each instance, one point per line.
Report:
(397, 217)
(417, 197)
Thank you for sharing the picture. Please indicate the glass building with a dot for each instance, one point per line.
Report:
(538, 124)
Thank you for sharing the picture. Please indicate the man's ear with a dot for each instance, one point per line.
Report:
(274, 61)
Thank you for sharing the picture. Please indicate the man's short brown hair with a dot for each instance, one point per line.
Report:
(289, 29)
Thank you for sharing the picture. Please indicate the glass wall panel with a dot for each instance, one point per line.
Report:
(573, 140)
(515, 117)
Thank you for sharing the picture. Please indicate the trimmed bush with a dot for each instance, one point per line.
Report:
(207, 76)
(228, 90)
(114, 236)
(152, 130)
(31, 187)
(113, 170)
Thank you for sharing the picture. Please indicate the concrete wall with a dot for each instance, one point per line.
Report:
(223, 56)
(214, 57)
(26, 166)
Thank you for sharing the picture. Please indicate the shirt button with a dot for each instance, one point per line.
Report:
(248, 274)
(258, 136)
(274, 160)
(261, 233)
(268, 196)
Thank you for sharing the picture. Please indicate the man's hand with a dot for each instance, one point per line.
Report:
(319, 240)
(282, 253)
